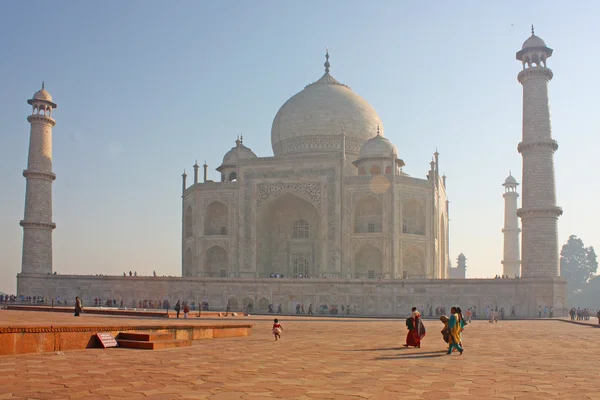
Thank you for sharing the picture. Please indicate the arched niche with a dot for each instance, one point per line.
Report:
(287, 226)
(216, 219)
(413, 262)
(368, 262)
(368, 215)
(216, 264)
(188, 222)
(413, 217)
(187, 263)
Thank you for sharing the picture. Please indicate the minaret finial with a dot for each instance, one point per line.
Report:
(378, 132)
(242, 139)
(327, 65)
(43, 85)
(532, 30)
(509, 172)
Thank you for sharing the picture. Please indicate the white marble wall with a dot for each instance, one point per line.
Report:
(365, 297)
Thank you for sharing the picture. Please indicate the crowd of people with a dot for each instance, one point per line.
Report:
(582, 314)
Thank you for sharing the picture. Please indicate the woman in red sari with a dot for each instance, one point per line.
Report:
(416, 330)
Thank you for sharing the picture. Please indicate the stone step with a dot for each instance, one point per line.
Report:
(145, 336)
(158, 345)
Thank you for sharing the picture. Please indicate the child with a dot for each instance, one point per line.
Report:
(277, 329)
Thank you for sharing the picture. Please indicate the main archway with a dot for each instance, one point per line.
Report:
(288, 230)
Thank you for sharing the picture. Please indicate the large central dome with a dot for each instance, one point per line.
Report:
(312, 121)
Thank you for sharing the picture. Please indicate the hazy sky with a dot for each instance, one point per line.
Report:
(144, 88)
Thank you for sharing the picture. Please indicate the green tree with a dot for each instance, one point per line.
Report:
(578, 264)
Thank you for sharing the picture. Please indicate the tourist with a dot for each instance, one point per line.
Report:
(277, 329)
(279, 311)
(78, 306)
(178, 308)
(445, 332)
(539, 311)
(416, 329)
(310, 309)
(186, 310)
(455, 327)
(469, 317)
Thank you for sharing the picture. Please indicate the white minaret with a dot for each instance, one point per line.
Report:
(539, 213)
(37, 224)
(511, 262)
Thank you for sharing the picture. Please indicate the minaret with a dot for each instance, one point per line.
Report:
(539, 213)
(511, 262)
(37, 224)
(196, 166)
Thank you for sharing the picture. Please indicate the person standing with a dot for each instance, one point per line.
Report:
(186, 310)
(177, 308)
(78, 306)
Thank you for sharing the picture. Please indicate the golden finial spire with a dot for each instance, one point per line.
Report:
(327, 65)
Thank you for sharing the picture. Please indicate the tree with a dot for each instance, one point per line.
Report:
(578, 264)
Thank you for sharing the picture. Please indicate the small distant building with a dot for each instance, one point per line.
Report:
(460, 271)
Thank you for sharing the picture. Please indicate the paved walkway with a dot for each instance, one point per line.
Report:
(320, 359)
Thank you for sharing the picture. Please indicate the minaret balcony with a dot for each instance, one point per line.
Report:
(41, 119)
(535, 72)
(48, 176)
(549, 143)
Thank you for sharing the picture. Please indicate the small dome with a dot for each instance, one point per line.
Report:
(42, 95)
(232, 155)
(510, 180)
(377, 147)
(533, 41)
(461, 257)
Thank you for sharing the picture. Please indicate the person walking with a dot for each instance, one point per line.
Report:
(277, 329)
(78, 306)
(455, 327)
(186, 310)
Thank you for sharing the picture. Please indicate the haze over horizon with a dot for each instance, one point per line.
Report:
(146, 88)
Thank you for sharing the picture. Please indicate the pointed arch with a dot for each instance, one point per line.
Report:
(413, 217)
(187, 263)
(216, 219)
(288, 227)
(368, 215)
(188, 222)
(413, 262)
(216, 263)
(368, 262)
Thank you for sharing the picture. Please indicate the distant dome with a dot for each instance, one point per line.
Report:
(533, 41)
(231, 156)
(377, 147)
(461, 257)
(510, 180)
(42, 95)
(312, 120)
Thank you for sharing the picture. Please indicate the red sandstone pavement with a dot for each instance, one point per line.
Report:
(326, 359)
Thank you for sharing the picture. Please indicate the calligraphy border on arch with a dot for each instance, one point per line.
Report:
(250, 176)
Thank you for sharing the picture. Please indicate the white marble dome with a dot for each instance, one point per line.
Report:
(231, 156)
(510, 181)
(42, 95)
(377, 147)
(312, 120)
(533, 41)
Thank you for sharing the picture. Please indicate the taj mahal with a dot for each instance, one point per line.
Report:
(331, 218)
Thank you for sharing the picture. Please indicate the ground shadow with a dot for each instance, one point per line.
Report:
(382, 349)
(429, 354)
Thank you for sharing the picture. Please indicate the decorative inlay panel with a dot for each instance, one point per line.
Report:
(269, 190)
